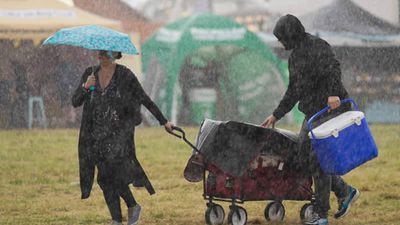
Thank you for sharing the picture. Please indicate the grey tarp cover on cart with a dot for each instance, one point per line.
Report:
(231, 145)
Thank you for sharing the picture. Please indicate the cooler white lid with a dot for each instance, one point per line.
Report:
(336, 124)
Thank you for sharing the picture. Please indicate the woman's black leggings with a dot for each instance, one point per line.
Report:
(112, 194)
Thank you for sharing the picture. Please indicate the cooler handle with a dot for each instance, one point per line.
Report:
(324, 110)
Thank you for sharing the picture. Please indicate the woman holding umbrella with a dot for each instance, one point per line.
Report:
(111, 110)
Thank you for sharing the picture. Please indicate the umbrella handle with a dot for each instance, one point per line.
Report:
(92, 88)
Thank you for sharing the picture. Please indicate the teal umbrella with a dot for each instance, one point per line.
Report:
(93, 37)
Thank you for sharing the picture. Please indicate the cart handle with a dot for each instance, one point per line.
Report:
(178, 129)
(183, 136)
(324, 110)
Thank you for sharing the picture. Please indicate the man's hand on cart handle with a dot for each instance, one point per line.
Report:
(270, 120)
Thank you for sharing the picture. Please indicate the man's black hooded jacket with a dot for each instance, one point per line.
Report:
(314, 73)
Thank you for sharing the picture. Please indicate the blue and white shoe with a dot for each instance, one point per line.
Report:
(345, 203)
(315, 219)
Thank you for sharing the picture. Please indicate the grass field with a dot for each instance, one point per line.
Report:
(39, 182)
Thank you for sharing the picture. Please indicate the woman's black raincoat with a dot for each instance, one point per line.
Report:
(130, 98)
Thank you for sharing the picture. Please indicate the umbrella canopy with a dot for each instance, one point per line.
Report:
(93, 37)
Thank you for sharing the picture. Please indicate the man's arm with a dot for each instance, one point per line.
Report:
(327, 69)
(289, 99)
(329, 73)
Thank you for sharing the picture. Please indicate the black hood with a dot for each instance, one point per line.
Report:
(289, 31)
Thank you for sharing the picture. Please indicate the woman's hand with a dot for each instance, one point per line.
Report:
(270, 120)
(91, 81)
(168, 126)
(333, 102)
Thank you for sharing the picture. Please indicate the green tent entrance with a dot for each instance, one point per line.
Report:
(208, 66)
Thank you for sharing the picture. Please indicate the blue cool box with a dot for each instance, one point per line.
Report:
(343, 143)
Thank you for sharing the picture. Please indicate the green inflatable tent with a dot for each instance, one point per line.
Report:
(249, 82)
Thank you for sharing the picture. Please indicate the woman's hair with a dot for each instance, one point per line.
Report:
(118, 56)
(110, 54)
(114, 55)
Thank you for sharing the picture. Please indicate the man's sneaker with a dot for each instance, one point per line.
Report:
(134, 214)
(315, 219)
(345, 203)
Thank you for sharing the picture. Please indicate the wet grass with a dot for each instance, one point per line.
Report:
(39, 182)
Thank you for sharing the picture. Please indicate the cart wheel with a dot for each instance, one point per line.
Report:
(274, 211)
(306, 211)
(215, 214)
(237, 215)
